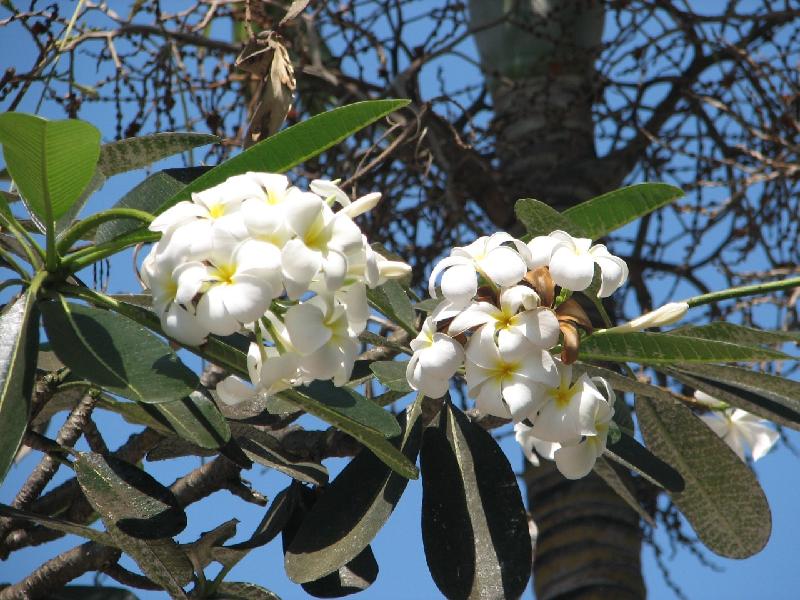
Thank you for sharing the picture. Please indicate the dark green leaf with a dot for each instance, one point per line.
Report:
(91, 592)
(116, 353)
(58, 525)
(355, 576)
(427, 306)
(722, 499)
(392, 374)
(121, 493)
(275, 519)
(392, 300)
(664, 348)
(630, 453)
(370, 337)
(342, 410)
(725, 383)
(51, 162)
(265, 449)
(737, 334)
(623, 486)
(19, 344)
(194, 418)
(137, 152)
(148, 196)
(174, 447)
(474, 525)
(235, 590)
(541, 219)
(351, 511)
(600, 216)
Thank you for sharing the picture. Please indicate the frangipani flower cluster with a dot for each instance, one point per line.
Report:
(741, 430)
(258, 255)
(497, 320)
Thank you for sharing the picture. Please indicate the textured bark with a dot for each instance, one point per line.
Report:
(543, 83)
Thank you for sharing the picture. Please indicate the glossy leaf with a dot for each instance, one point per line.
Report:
(116, 353)
(392, 300)
(19, 341)
(630, 453)
(622, 486)
(195, 418)
(474, 524)
(722, 499)
(343, 410)
(265, 449)
(277, 516)
(147, 196)
(663, 348)
(351, 511)
(51, 162)
(737, 334)
(541, 219)
(137, 152)
(392, 374)
(600, 216)
(129, 500)
(58, 525)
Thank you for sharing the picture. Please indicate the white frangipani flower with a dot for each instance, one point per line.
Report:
(436, 359)
(670, 313)
(505, 384)
(269, 370)
(571, 262)
(264, 214)
(532, 446)
(742, 431)
(566, 410)
(487, 256)
(577, 460)
(518, 321)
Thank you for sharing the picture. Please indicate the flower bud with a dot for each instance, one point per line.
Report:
(666, 315)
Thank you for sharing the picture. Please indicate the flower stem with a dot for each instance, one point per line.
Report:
(745, 290)
(74, 233)
(83, 258)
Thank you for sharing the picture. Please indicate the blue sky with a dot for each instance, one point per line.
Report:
(398, 548)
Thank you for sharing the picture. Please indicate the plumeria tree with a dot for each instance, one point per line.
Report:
(272, 282)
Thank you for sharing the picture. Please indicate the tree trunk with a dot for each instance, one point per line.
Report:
(539, 64)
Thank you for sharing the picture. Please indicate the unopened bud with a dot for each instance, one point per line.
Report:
(666, 315)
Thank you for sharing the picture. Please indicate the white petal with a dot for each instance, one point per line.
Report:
(247, 299)
(541, 249)
(460, 284)
(362, 205)
(302, 212)
(489, 401)
(520, 399)
(306, 329)
(441, 266)
(476, 314)
(334, 265)
(571, 271)
(576, 461)
(540, 326)
(182, 326)
(613, 269)
(300, 264)
(503, 266)
(212, 315)
(525, 439)
(233, 390)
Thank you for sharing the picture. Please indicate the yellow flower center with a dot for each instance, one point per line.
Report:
(563, 394)
(226, 273)
(273, 197)
(215, 211)
(504, 370)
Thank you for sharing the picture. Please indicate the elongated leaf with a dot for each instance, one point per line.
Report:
(58, 524)
(364, 432)
(92, 592)
(392, 374)
(51, 162)
(275, 519)
(263, 448)
(148, 196)
(236, 590)
(737, 334)
(541, 219)
(282, 151)
(663, 348)
(622, 382)
(354, 406)
(474, 525)
(392, 300)
(351, 511)
(19, 342)
(620, 484)
(125, 495)
(194, 418)
(137, 152)
(722, 499)
(783, 409)
(600, 216)
(357, 575)
(116, 353)
(630, 453)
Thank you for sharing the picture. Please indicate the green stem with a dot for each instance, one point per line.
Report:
(745, 290)
(32, 250)
(12, 263)
(83, 258)
(10, 282)
(51, 259)
(76, 231)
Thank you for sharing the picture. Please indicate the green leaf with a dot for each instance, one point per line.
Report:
(282, 151)
(265, 449)
(275, 519)
(138, 505)
(474, 525)
(19, 342)
(664, 348)
(137, 152)
(392, 374)
(147, 196)
(392, 300)
(195, 418)
(350, 511)
(124, 494)
(51, 162)
(357, 575)
(722, 499)
(427, 306)
(600, 216)
(622, 383)
(736, 334)
(767, 396)
(622, 485)
(91, 592)
(58, 525)
(116, 353)
(630, 453)
(235, 590)
(541, 219)
(355, 415)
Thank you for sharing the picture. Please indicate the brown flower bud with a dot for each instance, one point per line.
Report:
(542, 283)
